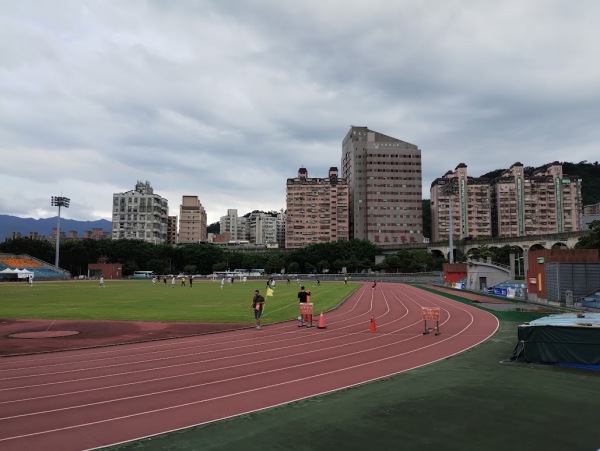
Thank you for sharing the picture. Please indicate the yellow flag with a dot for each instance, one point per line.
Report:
(269, 292)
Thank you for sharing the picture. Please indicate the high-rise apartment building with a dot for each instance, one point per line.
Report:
(229, 223)
(262, 228)
(593, 209)
(171, 230)
(545, 201)
(192, 221)
(140, 214)
(281, 222)
(257, 227)
(468, 199)
(516, 203)
(384, 178)
(317, 209)
(590, 214)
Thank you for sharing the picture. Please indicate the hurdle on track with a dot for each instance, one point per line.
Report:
(432, 314)
(306, 314)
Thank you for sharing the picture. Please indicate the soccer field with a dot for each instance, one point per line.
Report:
(140, 300)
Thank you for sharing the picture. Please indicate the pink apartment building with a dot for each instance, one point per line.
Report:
(469, 201)
(317, 209)
(517, 203)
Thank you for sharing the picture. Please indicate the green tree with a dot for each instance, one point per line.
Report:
(129, 267)
(190, 269)
(158, 266)
(358, 254)
(592, 239)
(323, 265)
(482, 251)
(215, 227)
(77, 254)
(410, 261)
(220, 266)
(41, 249)
(293, 268)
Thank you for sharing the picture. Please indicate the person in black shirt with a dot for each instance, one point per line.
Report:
(257, 305)
(302, 299)
(302, 295)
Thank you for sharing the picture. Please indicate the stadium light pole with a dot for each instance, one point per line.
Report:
(59, 201)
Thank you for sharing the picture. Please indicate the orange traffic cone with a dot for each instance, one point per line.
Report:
(321, 324)
(373, 326)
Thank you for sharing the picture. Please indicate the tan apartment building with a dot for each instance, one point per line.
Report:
(536, 203)
(317, 209)
(384, 179)
(468, 199)
(192, 221)
(32, 236)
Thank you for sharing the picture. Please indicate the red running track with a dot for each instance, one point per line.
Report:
(86, 399)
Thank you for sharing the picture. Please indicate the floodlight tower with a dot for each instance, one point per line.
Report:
(59, 201)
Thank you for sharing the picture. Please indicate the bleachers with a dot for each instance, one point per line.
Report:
(20, 262)
(40, 269)
(46, 273)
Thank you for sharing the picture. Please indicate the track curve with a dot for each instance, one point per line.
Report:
(98, 397)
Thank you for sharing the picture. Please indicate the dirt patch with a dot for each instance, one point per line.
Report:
(93, 333)
(44, 334)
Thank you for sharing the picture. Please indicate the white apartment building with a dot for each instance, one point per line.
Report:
(140, 214)
(229, 224)
(258, 227)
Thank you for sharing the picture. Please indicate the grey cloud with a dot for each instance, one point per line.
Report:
(225, 100)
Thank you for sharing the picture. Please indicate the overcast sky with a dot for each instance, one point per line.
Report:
(227, 99)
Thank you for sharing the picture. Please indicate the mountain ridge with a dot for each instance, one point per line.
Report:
(44, 226)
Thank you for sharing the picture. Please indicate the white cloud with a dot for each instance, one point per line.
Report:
(226, 100)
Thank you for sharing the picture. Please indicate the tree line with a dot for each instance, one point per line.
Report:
(354, 255)
(135, 255)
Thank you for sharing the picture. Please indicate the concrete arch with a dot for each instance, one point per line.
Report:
(437, 253)
(537, 246)
(568, 239)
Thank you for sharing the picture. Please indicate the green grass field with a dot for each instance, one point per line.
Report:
(139, 300)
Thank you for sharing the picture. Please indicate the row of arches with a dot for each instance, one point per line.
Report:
(497, 254)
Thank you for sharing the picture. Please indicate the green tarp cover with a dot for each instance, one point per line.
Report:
(578, 342)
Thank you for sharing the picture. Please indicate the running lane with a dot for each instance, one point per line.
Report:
(86, 399)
